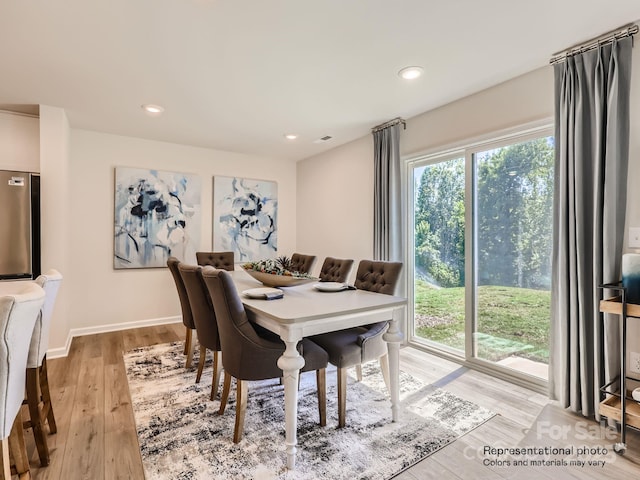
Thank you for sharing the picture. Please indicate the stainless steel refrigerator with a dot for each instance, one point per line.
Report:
(19, 225)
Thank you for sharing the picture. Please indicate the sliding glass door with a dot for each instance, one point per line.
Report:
(481, 249)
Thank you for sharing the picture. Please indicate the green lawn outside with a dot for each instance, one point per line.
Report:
(512, 321)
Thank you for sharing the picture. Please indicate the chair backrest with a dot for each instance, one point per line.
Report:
(187, 317)
(18, 315)
(302, 263)
(204, 316)
(378, 276)
(243, 350)
(335, 269)
(50, 283)
(219, 260)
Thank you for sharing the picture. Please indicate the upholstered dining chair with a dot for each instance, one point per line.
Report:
(204, 318)
(18, 314)
(302, 263)
(358, 345)
(38, 394)
(248, 356)
(187, 316)
(220, 260)
(335, 270)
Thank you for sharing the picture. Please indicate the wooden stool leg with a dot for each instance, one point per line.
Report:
(225, 393)
(203, 358)
(342, 397)
(33, 400)
(19, 448)
(188, 347)
(321, 386)
(217, 370)
(46, 397)
(359, 372)
(241, 409)
(6, 461)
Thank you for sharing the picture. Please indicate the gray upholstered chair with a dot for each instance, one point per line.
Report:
(358, 345)
(18, 314)
(204, 319)
(248, 356)
(187, 316)
(38, 395)
(302, 263)
(220, 260)
(335, 270)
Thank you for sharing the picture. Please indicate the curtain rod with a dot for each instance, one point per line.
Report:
(627, 31)
(390, 123)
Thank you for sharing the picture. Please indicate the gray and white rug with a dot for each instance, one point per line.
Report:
(182, 437)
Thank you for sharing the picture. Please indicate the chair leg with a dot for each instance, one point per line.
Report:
(33, 401)
(217, 370)
(19, 449)
(321, 386)
(241, 409)
(46, 397)
(384, 367)
(225, 393)
(203, 358)
(342, 397)
(188, 346)
(359, 372)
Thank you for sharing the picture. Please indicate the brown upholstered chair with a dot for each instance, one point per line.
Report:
(204, 318)
(249, 356)
(335, 270)
(358, 345)
(302, 263)
(220, 260)
(187, 317)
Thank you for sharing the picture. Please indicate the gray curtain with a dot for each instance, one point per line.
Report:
(592, 150)
(387, 208)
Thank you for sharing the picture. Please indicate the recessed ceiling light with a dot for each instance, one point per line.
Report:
(290, 136)
(409, 73)
(153, 110)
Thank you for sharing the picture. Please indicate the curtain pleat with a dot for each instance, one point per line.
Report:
(387, 195)
(592, 150)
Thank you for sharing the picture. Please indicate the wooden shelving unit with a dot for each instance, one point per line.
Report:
(621, 408)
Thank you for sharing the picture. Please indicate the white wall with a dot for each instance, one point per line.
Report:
(104, 296)
(19, 142)
(335, 195)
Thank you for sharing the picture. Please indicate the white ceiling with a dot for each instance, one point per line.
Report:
(238, 74)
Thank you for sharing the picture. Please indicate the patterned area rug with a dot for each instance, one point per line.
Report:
(182, 437)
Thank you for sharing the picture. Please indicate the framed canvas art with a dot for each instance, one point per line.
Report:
(157, 215)
(245, 217)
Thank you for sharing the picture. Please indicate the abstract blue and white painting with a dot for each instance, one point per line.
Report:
(157, 215)
(245, 217)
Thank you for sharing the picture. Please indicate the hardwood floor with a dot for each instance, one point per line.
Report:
(97, 440)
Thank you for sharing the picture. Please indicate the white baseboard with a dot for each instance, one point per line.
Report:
(114, 327)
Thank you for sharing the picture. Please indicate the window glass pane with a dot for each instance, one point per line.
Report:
(439, 248)
(514, 200)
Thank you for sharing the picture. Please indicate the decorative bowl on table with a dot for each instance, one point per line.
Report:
(276, 273)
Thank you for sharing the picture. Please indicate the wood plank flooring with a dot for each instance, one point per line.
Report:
(97, 440)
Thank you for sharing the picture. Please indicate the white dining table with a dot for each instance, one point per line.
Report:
(304, 311)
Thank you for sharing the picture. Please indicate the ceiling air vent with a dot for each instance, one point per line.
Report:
(326, 138)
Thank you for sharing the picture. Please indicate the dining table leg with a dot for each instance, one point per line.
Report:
(290, 363)
(393, 337)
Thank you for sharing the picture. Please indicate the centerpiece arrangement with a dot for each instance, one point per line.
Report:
(276, 272)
